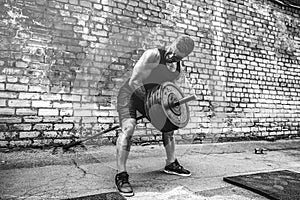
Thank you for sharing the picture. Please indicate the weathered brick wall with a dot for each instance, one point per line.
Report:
(62, 61)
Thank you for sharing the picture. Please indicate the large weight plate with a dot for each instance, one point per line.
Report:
(179, 116)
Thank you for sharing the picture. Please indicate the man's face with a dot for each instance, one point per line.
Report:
(173, 55)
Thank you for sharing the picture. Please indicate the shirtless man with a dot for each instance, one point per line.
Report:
(155, 66)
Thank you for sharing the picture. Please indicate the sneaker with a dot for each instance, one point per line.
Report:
(123, 184)
(177, 169)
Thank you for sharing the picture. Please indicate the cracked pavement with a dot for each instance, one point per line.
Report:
(39, 174)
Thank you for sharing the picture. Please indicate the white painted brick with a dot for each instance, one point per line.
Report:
(8, 95)
(53, 119)
(62, 105)
(50, 134)
(100, 113)
(27, 95)
(32, 119)
(66, 112)
(48, 112)
(16, 87)
(21, 64)
(10, 119)
(26, 111)
(55, 97)
(18, 143)
(23, 127)
(2, 78)
(7, 111)
(105, 119)
(39, 88)
(41, 104)
(19, 103)
(71, 97)
(71, 119)
(82, 113)
(89, 119)
(2, 86)
(29, 134)
(43, 126)
(3, 102)
(63, 126)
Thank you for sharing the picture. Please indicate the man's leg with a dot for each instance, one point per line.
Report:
(123, 148)
(124, 143)
(169, 144)
(172, 164)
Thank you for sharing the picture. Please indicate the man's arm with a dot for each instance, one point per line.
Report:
(143, 68)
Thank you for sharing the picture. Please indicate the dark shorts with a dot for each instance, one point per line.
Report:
(128, 104)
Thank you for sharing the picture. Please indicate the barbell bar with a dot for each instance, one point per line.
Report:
(185, 100)
(75, 143)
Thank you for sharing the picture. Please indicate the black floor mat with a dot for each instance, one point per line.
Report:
(103, 196)
(278, 185)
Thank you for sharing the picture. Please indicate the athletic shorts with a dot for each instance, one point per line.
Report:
(128, 103)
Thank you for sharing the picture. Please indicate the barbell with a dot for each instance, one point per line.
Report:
(165, 108)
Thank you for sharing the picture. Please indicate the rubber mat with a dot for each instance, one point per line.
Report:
(277, 185)
(102, 196)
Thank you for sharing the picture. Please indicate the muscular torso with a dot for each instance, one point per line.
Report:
(162, 73)
(152, 69)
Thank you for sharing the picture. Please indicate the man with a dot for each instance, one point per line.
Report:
(155, 66)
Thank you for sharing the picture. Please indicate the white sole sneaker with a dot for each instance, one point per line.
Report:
(175, 173)
(127, 194)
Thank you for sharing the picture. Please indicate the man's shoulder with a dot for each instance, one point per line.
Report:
(152, 55)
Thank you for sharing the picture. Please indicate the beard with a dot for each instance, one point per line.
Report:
(170, 59)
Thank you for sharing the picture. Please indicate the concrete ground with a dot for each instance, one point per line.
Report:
(40, 174)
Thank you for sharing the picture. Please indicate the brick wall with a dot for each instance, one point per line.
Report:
(62, 61)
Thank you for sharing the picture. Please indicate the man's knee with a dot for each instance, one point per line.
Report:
(124, 139)
(128, 126)
(168, 134)
(167, 137)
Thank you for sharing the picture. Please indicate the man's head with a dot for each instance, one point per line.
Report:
(179, 49)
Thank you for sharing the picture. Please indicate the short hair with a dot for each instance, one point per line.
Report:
(184, 44)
